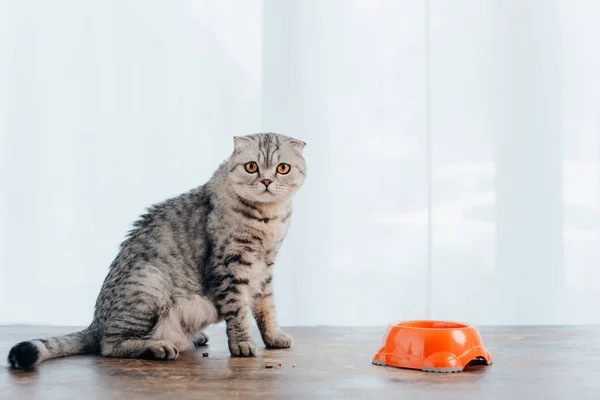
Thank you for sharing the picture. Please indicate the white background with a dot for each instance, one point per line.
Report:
(453, 148)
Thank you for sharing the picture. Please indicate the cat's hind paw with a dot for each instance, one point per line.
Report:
(201, 340)
(160, 350)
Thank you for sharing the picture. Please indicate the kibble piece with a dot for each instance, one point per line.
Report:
(204, 354)
(293, 365)
(279, 364)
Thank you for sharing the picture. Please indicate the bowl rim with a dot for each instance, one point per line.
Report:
(450, 325)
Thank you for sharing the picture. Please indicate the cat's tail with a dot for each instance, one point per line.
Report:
(26, 355)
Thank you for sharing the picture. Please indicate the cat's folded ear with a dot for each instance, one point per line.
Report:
(240, 143)
(297, 145)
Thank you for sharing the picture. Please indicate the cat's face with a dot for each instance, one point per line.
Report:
(267, 167)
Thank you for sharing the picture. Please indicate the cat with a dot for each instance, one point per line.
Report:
(195, 260)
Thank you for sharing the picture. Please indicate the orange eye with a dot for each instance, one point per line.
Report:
(283, 168)
(251, 167)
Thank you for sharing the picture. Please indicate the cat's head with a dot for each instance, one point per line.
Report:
(267, 167)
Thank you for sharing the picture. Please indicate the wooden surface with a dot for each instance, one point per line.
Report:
(529, 363)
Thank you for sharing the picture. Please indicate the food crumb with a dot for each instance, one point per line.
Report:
(269, 366)
(204, 354)
(293, 365)
(279, 364)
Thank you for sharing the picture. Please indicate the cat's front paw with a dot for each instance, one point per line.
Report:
(245, 348)
(279, 340)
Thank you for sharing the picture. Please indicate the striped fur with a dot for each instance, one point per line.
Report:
(194, 260)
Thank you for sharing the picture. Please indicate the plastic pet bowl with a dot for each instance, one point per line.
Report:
(432, 346)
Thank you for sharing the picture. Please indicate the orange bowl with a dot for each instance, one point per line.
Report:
(432, 346)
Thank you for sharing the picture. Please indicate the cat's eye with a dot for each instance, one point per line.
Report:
(283, 168)
(251, 167)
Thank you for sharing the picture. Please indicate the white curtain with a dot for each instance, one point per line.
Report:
(453, 148)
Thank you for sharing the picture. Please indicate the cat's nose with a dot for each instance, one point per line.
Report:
(266, 182)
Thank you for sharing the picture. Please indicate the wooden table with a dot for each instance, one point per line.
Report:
(529, 363)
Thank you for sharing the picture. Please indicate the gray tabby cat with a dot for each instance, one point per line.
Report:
(195, 260)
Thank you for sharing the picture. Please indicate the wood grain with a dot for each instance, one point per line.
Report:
(529, 363)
